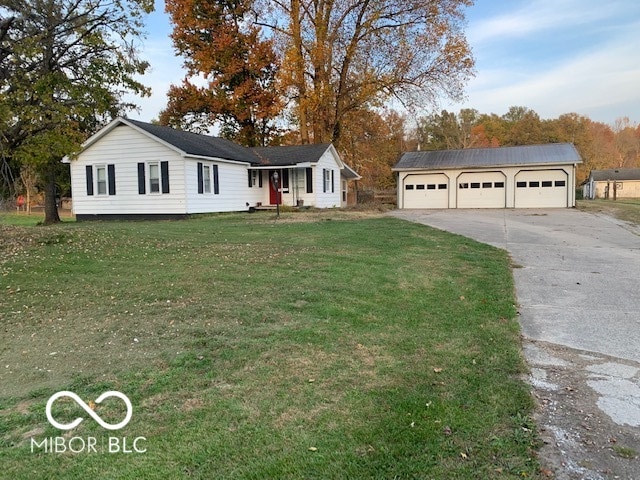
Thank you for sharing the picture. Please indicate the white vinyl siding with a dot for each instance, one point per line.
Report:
(126, 147)
(327, 194)
(234, 192)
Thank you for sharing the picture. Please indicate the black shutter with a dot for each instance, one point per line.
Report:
(111, 173)
(89, 170)
(332, 186)
(260, 178)
(324, 180)
(216, 187)
(200, 178)
(250, 184)
(141, 179)
(164, 173)
(309, 173)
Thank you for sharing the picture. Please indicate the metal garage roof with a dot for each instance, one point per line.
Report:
(551, 153)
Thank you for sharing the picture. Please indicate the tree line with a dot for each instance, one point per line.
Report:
(374, 143)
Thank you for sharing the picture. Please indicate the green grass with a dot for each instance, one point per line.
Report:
(627, 210)
(30, 220)
(324, 345)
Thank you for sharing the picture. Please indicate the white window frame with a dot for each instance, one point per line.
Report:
(159, 178)
(206, 178)
(327, 180)
(105, 183)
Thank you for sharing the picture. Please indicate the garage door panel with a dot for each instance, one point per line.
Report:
(426, 191)
(481, 190)
(541, 189)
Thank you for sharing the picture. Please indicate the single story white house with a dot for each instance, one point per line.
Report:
(531, 176)
(133, 169)
(612, 183)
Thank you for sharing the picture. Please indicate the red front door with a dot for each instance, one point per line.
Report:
(273, 195)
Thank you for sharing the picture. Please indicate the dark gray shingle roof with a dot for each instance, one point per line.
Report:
(616, 174)
(490, 157)
(291, 155)
(201, 145)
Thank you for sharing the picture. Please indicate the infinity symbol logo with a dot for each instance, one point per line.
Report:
(92, 414)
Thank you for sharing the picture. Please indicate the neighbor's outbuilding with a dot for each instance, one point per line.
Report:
(531, 176)
(613, 182)
(133, 169)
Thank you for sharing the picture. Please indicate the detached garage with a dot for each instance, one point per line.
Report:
(531, 176)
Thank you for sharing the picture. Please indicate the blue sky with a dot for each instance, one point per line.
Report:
(553, 56)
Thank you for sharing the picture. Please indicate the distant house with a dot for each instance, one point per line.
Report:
(614, 182)
(531, 176)
(132, 169)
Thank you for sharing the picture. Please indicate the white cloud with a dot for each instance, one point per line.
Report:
(559, 57)
(540, 15)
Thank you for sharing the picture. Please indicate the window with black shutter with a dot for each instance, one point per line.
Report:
(89, 173)
(141, 179)
(164, 172)
(200, 178)
(111, 174)
(309, 175)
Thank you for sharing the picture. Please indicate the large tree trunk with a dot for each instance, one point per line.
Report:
(51, 215)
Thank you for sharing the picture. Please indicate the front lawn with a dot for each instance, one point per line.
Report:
(316, 346)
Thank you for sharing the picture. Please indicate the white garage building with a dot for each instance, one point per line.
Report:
(531, 176)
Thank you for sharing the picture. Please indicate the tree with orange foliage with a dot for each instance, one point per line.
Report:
(354, 55)
(220, 44)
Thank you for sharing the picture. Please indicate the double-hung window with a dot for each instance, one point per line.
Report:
(206, 179)
(101, 179)
(153, 177)
(326, 174)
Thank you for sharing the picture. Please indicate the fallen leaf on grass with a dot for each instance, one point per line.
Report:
(313, 449)
(437, 370)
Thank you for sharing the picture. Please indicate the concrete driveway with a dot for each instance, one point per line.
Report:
(577, 278)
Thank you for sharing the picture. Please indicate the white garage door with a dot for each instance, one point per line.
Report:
(426, 191)
(481, 190)
(541, 189)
